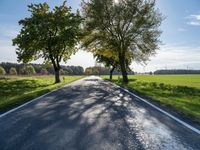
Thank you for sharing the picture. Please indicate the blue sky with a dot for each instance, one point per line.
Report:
(180, 37)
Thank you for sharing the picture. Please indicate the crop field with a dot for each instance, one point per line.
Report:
(16, 90)
(180, 93)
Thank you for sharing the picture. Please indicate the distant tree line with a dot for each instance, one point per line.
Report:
(177, 71)
(97, 70)
(40, 69)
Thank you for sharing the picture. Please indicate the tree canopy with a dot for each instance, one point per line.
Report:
(2, 71)
(108, 58)
(27, 70)
(13, 71)
(129, 28)
(48, 34)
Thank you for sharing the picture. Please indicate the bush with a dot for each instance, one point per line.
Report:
(13, 71)
(28, 70)
(2, 71)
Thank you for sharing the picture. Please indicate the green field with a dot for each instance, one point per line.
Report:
(16, 90)
(180, 93)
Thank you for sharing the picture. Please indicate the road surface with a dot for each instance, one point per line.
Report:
(92, 114)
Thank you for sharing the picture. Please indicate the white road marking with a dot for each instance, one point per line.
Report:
(155, 107)
(14, 109)
(161, 110)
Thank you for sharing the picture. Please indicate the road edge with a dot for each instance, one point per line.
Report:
(35, 99)
(157, 108)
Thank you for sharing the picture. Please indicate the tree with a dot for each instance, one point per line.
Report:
(2, 71)
(96, 71)
(108, 62)
(28, 70)
(108, 59)
(88, 71)
(13, 71)
(48, 34)
(126, 26)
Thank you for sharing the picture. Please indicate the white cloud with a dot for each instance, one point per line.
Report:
(172, 57)
(194, 20)
(193, 23)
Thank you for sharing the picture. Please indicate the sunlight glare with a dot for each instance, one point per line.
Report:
(116, 1)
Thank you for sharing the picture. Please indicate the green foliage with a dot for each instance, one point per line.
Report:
(174, 80)
(88, 71)
(176, 71)
(28, 70)
(48, 34)
(96, 72)
(44, 69)
(17, 90)
(107, 57)
(13, 71)
(179, 92)
(129, 28)
(2, 71)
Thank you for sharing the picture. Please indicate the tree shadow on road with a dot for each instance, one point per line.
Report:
(91, 116)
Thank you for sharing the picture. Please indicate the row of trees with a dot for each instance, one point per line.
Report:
(26, 70)
(177, 71)
(42, 69)
(117, 32)
(96, 70)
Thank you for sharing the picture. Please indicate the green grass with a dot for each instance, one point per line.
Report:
(178, 92)
(17, 90)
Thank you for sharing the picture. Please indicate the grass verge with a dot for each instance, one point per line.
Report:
(180, 93)
(17, 90)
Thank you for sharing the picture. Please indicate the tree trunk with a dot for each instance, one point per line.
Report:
(56, 69)
(57, 75)
(111, 72)
(123, 68)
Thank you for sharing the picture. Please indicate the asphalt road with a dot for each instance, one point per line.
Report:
(92, 114)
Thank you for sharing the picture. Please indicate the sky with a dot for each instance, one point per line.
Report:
(180, 48)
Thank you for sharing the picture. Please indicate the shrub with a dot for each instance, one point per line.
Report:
(28, 70)
(2, 71)
(13, 71)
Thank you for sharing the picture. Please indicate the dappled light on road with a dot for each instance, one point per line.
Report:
(92, 114)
